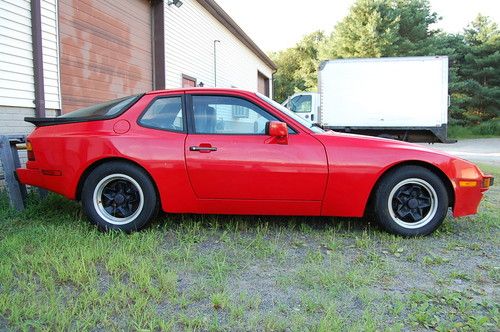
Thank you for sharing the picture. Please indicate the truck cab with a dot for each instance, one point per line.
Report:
(305, 104)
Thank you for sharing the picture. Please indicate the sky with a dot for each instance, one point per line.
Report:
(278, 24)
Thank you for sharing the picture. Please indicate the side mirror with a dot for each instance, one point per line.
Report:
(278, 132)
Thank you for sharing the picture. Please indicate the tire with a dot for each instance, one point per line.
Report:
(119, 196)
(410, 201)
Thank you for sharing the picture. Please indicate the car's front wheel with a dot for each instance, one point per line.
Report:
(120, 196)
(410, 201)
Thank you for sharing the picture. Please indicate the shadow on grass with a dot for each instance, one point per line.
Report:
(59, 211)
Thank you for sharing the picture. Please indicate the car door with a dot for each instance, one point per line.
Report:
(230, 157)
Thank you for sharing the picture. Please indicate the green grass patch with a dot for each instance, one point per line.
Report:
(486, 129)
(57, 272)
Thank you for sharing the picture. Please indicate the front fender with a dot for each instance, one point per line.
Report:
(356, 164)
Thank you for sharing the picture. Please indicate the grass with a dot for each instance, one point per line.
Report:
(486, 129)
(246, 273)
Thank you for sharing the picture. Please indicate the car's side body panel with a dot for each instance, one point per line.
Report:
(251, 167)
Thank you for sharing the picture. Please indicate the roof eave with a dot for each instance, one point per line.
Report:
(216, 11)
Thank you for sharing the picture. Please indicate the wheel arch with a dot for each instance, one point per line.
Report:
(99, 162)
(434, 169)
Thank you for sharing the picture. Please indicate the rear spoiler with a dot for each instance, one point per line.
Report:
(42, 122)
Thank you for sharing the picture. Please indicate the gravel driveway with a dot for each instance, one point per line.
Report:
(484, 150)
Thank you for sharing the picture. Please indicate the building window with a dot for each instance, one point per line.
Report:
(188, 81)
(240, 111)
(263, 84)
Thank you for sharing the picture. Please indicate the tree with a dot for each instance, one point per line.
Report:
(478, 81)
(453, 46)
(297, 67)
(367, 31)
(285, 80)
(375, 28)
(308, 48)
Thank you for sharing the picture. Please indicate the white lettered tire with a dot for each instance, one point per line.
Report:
(410, 201)
(119, 196)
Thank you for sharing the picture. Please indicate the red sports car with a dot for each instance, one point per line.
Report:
(229, 151)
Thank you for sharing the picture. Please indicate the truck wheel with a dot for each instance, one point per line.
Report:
(410, 201)
(119, 196)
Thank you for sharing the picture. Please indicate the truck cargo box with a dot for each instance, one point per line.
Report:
(384, 92)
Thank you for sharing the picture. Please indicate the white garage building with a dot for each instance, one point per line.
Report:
(57, 56)
(203, 43)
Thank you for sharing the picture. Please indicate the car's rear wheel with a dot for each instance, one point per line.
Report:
(410, 201)
(120, 196)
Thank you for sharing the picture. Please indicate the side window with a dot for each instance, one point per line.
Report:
(164, 113)
(229, 115)
(301, 104)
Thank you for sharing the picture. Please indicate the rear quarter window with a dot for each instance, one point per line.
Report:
(164, 113)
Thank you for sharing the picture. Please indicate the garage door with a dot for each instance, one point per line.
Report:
(105, 50)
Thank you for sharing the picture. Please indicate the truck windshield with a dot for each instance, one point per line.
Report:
(302, 121)
(301, 104)
(103, 110)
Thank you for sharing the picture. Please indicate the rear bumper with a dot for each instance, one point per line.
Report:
(32, 177)
(45, 179)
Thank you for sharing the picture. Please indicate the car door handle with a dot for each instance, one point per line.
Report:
(202, 148)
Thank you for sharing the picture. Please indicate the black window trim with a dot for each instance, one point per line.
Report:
(191, 127)
(183, 106)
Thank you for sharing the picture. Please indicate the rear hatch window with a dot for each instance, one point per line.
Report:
(104, 110)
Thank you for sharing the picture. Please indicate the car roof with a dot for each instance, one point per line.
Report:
(200, 89)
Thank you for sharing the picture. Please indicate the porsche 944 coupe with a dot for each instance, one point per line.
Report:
(228, 151)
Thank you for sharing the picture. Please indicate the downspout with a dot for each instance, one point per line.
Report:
(158, 31)
(36, 36)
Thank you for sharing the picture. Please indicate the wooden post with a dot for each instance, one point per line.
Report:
(10, 160)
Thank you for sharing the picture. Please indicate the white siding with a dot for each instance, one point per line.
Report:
(50, 43)
(16, 58)
(12, 119)
(12, 122)
(190, 32)
(16, 54)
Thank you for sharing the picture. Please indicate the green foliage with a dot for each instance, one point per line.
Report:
(476, 88)
(381, 28)
(376, 28)
(285, 81)
(297, 66)
(368, 31)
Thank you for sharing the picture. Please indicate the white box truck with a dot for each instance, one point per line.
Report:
(403, 98)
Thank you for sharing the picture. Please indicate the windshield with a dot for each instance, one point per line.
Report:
(106, 109)
(302, 121)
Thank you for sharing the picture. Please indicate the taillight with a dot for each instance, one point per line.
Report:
(31, 154)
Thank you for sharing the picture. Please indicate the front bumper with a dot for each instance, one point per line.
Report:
(468, 194)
